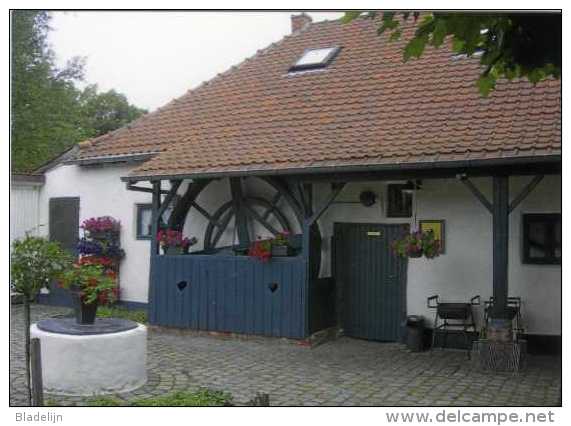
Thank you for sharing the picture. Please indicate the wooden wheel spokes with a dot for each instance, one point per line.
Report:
(219, 221)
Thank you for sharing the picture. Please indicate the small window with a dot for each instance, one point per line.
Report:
(315, 58)
(399, 202)
(144, 215)
(542, 238)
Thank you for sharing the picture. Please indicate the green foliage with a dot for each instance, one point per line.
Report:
(136, 315)
(511, 45)
(34, 262)
(201, 398)
(107, 111)
(104, 401)
(89, 280)
(49, 114)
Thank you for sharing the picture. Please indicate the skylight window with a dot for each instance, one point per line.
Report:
(315, 58)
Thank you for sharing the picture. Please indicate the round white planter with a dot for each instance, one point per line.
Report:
(93, 364)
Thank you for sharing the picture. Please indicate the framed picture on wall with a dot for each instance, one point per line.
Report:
(437, 226)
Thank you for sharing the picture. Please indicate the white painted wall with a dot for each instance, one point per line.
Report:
(466, 268)
(24, 210)
(102, 193)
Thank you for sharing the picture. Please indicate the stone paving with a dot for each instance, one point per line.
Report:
(342, 372)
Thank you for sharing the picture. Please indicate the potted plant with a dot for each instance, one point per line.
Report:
(261, 250)
(87, 282)
(34, 263)
(280, 244)
(172, 241)
(104, 227)
(417, 244)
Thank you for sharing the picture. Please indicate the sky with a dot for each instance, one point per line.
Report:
(153, 57)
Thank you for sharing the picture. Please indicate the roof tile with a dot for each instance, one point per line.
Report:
(366, 107)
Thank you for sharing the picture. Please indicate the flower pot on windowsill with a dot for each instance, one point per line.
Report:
(175, 250)
(415, 254)
(103, 235)
(281, 251)
(85, 313)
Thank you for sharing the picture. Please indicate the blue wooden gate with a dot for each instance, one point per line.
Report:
(229, 293)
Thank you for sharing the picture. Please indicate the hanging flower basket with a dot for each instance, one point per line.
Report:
(417, 244)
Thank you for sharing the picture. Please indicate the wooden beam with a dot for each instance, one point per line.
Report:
(222, 228)
(308, 192)
(500, 245)
(284, 188)
(525, 192)
(204, 213)
(274, 203)
(525, 169)
(335, 190)
(168, 199)
(241, 222)
(180, 211)
(255, 215)
(477, 193)
(156, 205)
(133, 187)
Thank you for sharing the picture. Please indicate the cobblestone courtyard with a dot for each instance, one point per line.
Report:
(344, 372)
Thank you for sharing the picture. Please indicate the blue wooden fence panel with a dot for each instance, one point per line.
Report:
(229, 293)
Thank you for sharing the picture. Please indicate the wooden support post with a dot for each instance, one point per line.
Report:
(335, 190)
(170, 195)
(500, 212)
(308, 192)
(241, 221)
(36, 370)
(156, 205)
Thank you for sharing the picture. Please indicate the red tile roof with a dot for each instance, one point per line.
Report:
(366, 108)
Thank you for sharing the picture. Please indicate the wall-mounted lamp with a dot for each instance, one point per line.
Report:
(367, 198)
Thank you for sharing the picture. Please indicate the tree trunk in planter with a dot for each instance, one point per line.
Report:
(27, 346)
(84, 312)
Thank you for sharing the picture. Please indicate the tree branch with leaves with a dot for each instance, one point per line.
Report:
(511, 45)
(34, 263)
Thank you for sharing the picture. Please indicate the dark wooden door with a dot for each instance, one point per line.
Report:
(64, 222)
(64, 228)
(371, 281)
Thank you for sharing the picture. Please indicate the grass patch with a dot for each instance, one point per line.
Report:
(136, 315)
(201, 398)
(104, 401)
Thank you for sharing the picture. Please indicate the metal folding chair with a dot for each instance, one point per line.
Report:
(453, 317)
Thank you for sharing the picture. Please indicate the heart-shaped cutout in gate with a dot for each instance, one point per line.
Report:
(181, 285)
(273, 287)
